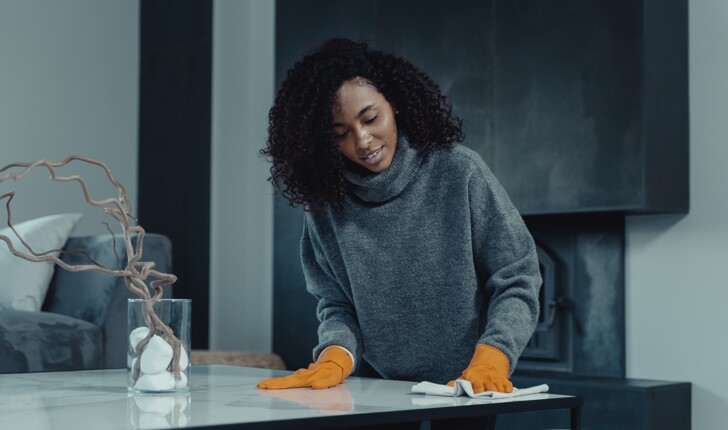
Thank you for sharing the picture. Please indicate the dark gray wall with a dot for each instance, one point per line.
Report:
(556, 97)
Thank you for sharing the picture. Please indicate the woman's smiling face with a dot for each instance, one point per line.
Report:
(364, 123)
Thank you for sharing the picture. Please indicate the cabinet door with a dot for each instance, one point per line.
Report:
(591, 105)
(577, 105)
(567, 105)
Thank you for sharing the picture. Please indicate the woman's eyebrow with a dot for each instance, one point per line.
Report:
(359, 115)
(366, 108)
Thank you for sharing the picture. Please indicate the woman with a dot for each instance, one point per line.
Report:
(421, 265)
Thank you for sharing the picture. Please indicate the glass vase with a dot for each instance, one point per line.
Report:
(158, 358)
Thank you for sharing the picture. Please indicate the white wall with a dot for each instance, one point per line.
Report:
(677, 288)
(241, 248)
(69, 85)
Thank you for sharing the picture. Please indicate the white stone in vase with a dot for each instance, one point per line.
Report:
(137, 335)
(184, 360)
(156, 356)
(181, 382)
(163, 381)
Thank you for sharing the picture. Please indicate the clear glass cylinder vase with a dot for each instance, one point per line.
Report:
(158, 345)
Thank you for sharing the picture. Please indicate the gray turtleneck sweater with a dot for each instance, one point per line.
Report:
(424, 260)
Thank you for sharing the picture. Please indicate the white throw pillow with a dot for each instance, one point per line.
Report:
(23, 283)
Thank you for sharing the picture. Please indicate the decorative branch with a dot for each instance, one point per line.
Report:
(135, 274)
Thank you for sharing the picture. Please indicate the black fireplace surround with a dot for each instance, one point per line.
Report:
(579, 344)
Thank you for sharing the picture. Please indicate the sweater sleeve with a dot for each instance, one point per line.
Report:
(507, 264)
(338, 324)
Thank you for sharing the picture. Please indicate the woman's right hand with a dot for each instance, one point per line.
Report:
(330, 369)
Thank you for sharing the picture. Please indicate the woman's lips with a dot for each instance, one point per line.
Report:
(374, 157)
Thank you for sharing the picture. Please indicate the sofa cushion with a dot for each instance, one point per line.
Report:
(102, 299)
(24, 283)
(86, 295)
(44, 341)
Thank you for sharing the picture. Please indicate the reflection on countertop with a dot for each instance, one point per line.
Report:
(158, 411)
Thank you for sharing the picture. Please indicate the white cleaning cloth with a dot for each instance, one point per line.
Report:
(463, 388)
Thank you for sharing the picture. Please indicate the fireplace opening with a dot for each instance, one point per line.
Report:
(580, 329)
(551, 346)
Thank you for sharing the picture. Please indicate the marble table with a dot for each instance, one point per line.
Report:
(225, 397)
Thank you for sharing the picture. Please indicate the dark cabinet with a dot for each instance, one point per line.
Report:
(577, 106)
(591, 105)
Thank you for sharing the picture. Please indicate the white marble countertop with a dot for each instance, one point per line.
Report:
(219, 396)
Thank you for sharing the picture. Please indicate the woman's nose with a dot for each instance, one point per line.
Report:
(363, 138)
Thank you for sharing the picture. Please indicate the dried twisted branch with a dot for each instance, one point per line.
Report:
(135, 274)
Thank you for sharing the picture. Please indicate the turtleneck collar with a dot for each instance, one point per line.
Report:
(383, 186)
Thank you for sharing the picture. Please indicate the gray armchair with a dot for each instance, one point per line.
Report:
(83, 321)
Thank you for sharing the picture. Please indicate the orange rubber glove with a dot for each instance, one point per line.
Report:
(488, 370)
(331, 368)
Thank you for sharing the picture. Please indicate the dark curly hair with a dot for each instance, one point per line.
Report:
(307, 163)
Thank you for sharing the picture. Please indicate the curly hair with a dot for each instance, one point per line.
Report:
(307, 165)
